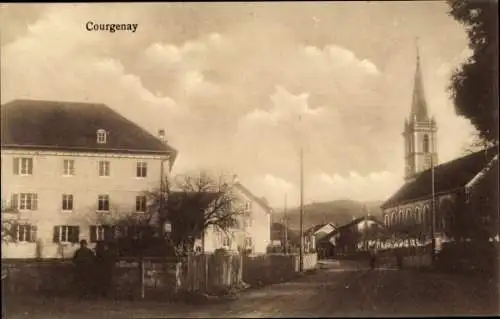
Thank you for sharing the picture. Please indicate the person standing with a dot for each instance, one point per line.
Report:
(84, 260)
(106, 256)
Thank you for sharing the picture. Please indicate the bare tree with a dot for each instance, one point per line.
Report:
(194, 202)
(477, 144)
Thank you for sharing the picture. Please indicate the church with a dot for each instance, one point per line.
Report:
(461, 193)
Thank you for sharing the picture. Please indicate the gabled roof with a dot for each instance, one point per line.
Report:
(355, 221)
(72, 126)
(261, 201)
(449, 177)
(315, 228)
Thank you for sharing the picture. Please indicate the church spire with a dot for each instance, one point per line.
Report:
(419, 104)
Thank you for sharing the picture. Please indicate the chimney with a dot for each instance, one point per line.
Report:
(161, 135)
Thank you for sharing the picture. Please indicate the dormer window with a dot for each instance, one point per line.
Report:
(101, 136)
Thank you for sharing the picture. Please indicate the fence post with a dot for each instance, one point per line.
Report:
(142, 274)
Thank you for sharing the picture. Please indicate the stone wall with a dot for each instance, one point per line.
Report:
(159, 276)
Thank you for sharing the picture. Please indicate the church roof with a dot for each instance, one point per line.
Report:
(72, 126)
(448, 177)
(419, 103)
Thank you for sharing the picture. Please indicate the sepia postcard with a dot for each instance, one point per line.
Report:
(250, 159)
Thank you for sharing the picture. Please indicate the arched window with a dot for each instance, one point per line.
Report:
(426, 143)
(386, 220)
(393, 218)
(400, 216)
(427, 216)
(408, 216)
(418, 213)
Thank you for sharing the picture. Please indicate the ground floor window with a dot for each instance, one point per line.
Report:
(66, 234)
(23, 232)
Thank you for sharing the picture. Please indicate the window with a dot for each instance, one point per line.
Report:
(66, 234)
(425, 143)
(67, 202)
(25, 201)
(102, 232)
(408, 217)
(427, 218)
(103, 203)
(386, 220)
(248, 242)
(104, 168)
(101, 136)
(247, 220)
(24, 233)
(226, 241)
(140, 204)
(418, 215)
(142, 169)
(248, 205)
(69, 167)
(23, 166)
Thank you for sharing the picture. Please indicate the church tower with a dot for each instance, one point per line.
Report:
(419, 132)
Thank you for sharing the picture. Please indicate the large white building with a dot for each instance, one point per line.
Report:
(253, 232)
(64, 165)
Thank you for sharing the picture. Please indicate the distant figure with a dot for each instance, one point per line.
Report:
(84, 261)
(373, 258)
(105, 264)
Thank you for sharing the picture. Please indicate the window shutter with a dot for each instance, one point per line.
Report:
(14, 202)
(33, 233)
(27, 233)
(16, 166)
(108, 233)
(93, 234)
(76, 234)
(30, 166)
(56, 234)
(15, 231)
(34, 201)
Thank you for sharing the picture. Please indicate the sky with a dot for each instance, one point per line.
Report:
(228, 83)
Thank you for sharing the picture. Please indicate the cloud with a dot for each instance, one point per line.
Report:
(285, 107)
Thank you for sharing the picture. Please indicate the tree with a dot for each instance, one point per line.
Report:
(135, 234)
(193, 203)
(474, 84)
(10, 217)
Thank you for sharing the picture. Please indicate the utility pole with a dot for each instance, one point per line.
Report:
(433, 213)
(286, 225)
(301, 255)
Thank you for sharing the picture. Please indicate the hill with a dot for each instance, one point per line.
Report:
(339, 212)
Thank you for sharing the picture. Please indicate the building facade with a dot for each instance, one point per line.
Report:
(67, 167)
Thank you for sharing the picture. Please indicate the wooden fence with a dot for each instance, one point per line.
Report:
(211, 273)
